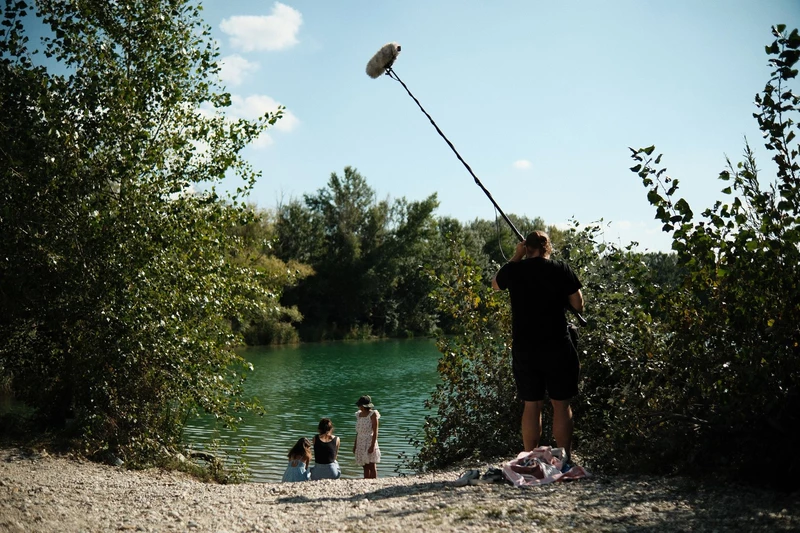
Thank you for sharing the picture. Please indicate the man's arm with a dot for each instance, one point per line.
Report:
(576, 300)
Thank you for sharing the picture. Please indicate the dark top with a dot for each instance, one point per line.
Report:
(324, 452)
(539, 289)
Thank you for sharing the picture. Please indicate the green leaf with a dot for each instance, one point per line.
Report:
(654, 198)
(793, 41)
(649, 149)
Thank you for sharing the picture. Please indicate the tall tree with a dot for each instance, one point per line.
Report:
(357, 246)
(116, 288)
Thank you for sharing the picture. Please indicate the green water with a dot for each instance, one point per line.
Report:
(298, 385)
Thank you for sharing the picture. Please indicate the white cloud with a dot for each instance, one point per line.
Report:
(256, 33)
(522, 164)
(235, 68)
(256, 105)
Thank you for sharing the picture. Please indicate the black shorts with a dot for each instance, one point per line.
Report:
(553, 368)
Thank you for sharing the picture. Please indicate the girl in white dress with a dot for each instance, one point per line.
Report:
(365, 447)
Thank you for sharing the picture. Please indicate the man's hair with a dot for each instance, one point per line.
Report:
(538, 240)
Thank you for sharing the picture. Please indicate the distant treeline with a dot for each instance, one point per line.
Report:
(362, 267)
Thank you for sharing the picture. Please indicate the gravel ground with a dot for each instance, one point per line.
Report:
(44, 493)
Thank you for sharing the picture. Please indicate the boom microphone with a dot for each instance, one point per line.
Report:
(382, 59)
(382, 63)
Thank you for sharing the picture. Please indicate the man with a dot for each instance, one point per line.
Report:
(543, 356)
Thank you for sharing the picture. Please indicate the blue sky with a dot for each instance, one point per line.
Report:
(542, 99)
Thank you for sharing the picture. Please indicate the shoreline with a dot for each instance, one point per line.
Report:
(46, 493)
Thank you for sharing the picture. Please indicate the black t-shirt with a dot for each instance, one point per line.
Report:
(539, 289)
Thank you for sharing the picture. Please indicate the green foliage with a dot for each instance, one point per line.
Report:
(476, 414)
(274, 323)
(117, 283)
(732, 327)
(366, 256)
(617, 349)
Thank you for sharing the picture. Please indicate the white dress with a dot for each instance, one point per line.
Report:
(364, 440)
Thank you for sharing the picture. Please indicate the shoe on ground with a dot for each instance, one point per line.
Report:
(466, 477)
(492, 476)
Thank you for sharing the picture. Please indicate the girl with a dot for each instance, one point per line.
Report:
(365, 447)
(299, 457)
(326, 449)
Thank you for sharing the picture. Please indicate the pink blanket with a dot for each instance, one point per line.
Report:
(539, 467)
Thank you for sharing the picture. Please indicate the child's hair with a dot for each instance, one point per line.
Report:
(301, 450)
(325, 426)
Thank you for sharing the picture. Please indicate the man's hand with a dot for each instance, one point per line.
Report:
(519, 252)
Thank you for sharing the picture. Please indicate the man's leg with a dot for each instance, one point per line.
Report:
(562, 424)
(532, 425)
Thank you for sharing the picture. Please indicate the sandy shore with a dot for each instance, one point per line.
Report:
(44, 493)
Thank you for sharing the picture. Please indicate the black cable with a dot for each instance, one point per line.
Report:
(391, 73)
(394, 76)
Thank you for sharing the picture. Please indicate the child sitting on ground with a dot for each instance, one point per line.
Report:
(299, 459)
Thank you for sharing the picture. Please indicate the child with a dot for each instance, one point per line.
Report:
(326, 449)
(365, 447)
(299, 457)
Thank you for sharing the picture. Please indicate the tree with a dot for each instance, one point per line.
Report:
(366, 255)
(116, 286)
(276, 323)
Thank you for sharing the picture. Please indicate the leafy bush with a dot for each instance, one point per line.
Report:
(476, 414)
(733, 324)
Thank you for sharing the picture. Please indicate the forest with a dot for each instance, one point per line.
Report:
(126, 286)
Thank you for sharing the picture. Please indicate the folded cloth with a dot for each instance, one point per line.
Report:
(541, 466)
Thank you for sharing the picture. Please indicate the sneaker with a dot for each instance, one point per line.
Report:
(466, 477)
(493, 475)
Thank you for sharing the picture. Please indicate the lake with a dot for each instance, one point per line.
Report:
(299, 384)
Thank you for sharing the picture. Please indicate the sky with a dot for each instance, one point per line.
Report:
(541, 99)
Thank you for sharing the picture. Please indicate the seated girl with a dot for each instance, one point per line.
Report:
(299, 457)
(326, 450)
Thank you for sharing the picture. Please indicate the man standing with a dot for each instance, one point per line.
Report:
(543, 356)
